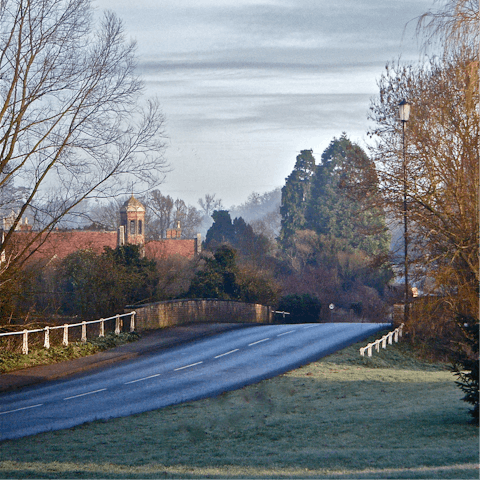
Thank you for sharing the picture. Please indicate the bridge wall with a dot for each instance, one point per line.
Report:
(179, 312)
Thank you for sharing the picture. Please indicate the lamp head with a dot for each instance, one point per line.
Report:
(404, 110)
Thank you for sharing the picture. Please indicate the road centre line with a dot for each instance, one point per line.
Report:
(259, 341)
(83, 394)
(187, 366)
(23, 408)
(285, 333)
(228, 353)
(141, 379)
(310, 326)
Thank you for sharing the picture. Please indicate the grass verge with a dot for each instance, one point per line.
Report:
(391, 416)
(10, 361)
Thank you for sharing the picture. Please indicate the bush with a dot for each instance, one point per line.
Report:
(465, 362)
(222, 278)
(302, 308)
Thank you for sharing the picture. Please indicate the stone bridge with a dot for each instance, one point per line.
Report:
(179, 312)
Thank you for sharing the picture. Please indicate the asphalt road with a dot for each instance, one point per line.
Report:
(201, 369)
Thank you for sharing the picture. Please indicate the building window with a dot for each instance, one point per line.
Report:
(139, 227)
(132, 227)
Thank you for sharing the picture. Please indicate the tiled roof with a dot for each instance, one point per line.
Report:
(59, 244)
(162, 249)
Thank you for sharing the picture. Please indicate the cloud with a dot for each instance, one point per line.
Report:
(278, 31)
(246, 84)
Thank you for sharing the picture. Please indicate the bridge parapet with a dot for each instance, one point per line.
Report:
(179, 312)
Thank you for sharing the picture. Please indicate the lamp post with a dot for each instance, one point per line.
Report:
(404, 114)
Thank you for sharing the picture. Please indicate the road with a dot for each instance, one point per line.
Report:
(201, 369)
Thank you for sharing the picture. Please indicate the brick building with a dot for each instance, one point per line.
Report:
(59, 244)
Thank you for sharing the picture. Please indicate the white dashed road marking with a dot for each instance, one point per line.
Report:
(228, 353)
(83, 394)
(141, 379)
(19, 409)
(259, 341)
(285, 333)
(187, 366)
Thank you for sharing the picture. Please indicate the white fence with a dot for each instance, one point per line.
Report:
(66, 326)
(388, 338)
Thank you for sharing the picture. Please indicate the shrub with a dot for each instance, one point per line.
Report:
(465, 365)
(302, 308)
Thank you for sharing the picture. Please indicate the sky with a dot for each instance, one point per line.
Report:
(245, 85)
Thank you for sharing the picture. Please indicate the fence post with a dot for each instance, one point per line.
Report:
(46, 344)
(388, 337)
(25, 342)
(65, 335)
(102, 327)
(132, 322)
(84, 331)
(117, 325)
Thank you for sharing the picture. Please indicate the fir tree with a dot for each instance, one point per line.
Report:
(465, 362)
(295, 195)
(221, 231)
(343, 199)
(237, 234)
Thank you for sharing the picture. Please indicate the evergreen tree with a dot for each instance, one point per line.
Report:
(238, 234)
(90, 284)
(343, 199)
(218, 279)
(465, 362)
(295, 194)
(221, 231)
(222, 278)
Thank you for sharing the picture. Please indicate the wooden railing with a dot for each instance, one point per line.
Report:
(66, 326)
(388, 338)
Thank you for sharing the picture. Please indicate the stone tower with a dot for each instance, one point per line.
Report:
(132, 223)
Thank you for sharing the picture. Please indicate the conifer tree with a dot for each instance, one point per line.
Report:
(222, 229)
(465, 362)
(295, 195)
(343, 199)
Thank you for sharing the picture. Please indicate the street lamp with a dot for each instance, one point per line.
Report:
(404, 114)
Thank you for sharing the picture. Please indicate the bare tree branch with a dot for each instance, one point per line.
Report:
(71, 123)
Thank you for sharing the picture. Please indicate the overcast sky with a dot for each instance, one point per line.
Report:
(246, 84)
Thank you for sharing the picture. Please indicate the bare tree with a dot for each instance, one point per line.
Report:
(456, 24)
(71, 125)
(209, 204)
(164, 213)
(106, 215)
(442, 138)
(160, 213)
(189, 217)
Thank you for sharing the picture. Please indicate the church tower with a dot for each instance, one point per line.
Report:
(132, 223)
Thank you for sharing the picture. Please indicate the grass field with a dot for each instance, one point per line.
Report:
(343, 417)
(38, 355)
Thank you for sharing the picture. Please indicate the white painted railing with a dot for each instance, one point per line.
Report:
(281, 312)
(388, 338)
(66, 326)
